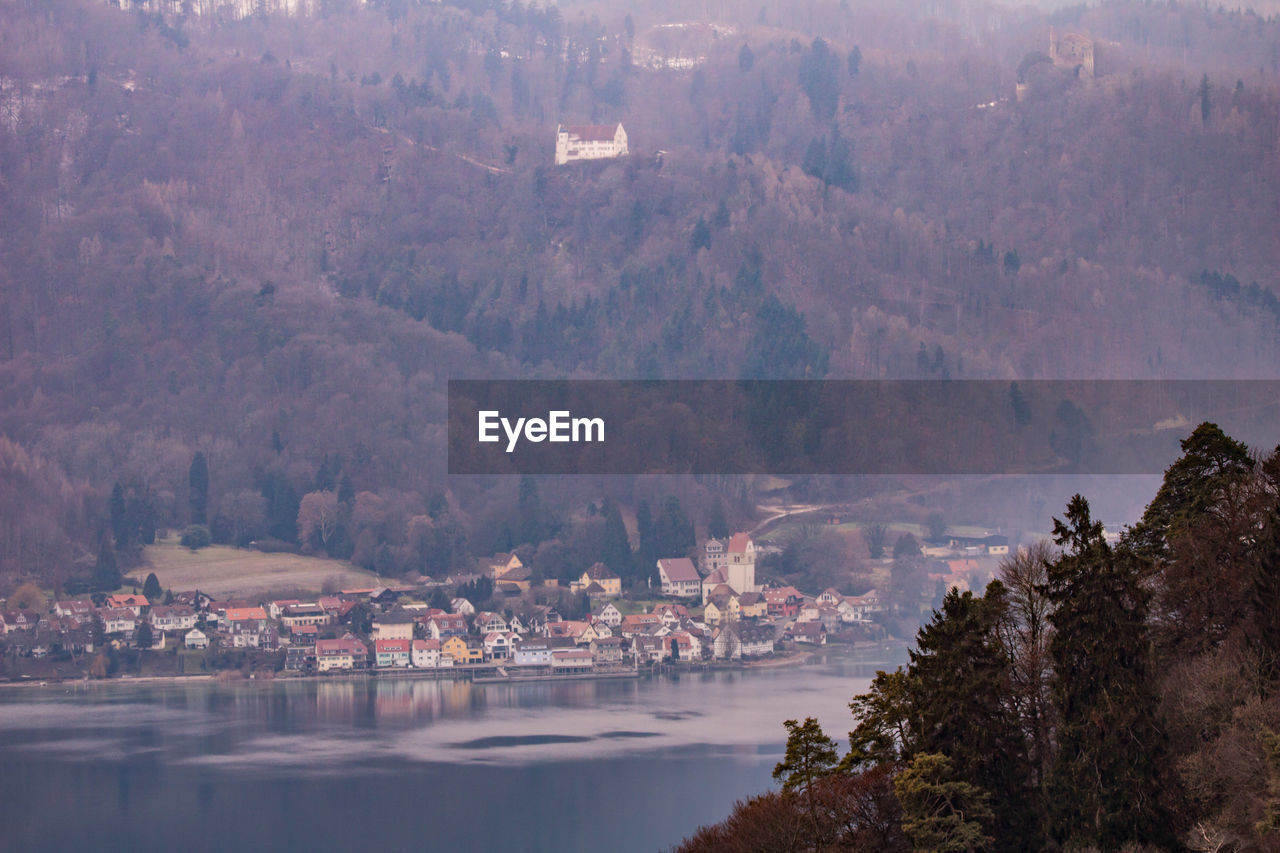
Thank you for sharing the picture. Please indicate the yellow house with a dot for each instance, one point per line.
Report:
(455, 648)
(475, 652)
(752, 605)
(610, 584)
(712, 615)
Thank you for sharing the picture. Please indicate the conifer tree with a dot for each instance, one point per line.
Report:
(960, 688)
(198, 485)
(1104, 782)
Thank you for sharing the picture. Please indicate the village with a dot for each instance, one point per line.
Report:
(717, 614)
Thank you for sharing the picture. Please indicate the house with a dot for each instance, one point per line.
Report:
(446, 625)
(499, 645)
(393, 626)
(650, 649)
(475, 651)
(173, 617)
(571, 660)
(121, 620)
(500, 564)
(756, 640)
(782, 603)
(81, 611)
(639, 623)
(829, 597)
(589, 142)
(300, 658)
(606, 650)
(247, 618)
(277, 607)
(344, 653)
(392, 653)
(455, 649)
(726, 644)
(610, 616)
(462, 607)
(425, 654)
(684, 646)
(195, 639)
(521, 577)
(610, 584)
(304, 635)
(670, 614)
(487, 622)
(712, 614)
(814, 633)
(22, 620)
(679, 577)
(304, 614)
(752, 605)
(535, 652)
(132, 602)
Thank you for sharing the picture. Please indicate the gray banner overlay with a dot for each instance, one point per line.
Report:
(845, 427)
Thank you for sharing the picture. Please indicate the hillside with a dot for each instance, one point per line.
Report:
(272, 239)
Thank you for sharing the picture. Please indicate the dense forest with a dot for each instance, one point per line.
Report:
(1094, 697)
(264, 235)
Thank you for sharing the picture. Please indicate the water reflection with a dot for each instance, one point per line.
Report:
(265, 764)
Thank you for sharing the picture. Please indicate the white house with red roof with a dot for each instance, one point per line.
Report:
(389, 654)
(589, 142)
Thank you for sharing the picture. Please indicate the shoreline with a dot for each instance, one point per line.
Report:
(796, 657)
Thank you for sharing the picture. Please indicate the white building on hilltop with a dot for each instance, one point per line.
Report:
(589, 142)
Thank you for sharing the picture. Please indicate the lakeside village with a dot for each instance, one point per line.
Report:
(716, 614)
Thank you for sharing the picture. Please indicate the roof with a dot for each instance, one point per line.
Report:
(679, 569)
(738, 543)
(237, 614)
(389, 646)
(127, 601)
(592, 132)
(426, 645)
(344, 646)
(599, 571)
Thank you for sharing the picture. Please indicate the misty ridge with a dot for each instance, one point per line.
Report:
(268, 233)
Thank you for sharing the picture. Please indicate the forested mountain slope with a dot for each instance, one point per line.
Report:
(271, 239)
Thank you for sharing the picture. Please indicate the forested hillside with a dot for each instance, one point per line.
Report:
(270, 238)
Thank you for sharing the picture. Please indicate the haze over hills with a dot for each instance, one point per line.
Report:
(271, 238)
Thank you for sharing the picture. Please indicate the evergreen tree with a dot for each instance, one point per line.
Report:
(106, 574)
(960, 690)
(1104, 782)
(151, 588)
(144, 636)
(119, 516)
(941, 813)
(198, 487)
(616, 551)
(647, 552)
(718, 525)
(673, 531)
(810, 757)
(1210, 460)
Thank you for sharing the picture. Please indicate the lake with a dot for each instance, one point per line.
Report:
(400, 763)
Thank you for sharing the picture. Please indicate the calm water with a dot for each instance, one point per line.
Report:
(399, 764)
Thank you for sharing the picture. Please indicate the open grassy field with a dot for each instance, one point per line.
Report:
(223, 571)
